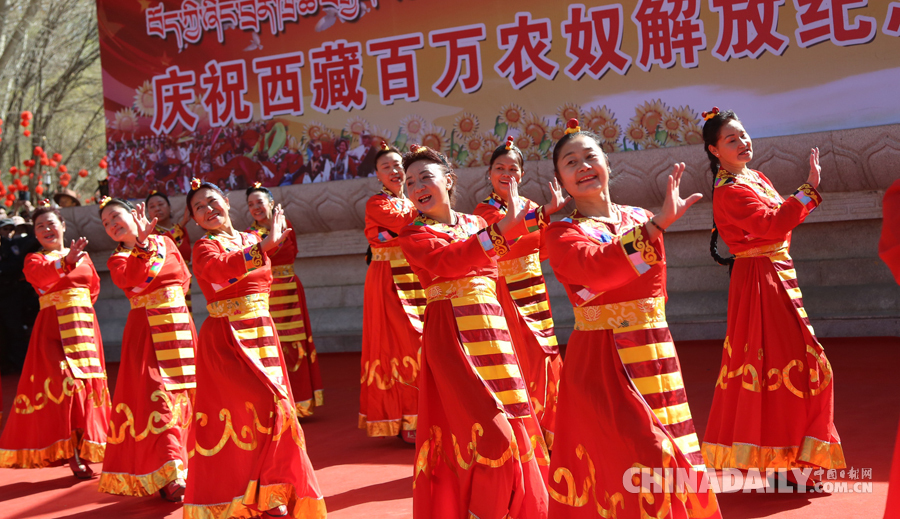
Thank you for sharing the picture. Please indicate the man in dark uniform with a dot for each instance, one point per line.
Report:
(18, 301)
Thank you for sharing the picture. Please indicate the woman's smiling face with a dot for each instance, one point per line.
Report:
(210, 209)
(582, 167)
(428, 186)
(504, 168)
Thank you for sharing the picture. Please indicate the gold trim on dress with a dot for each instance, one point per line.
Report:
(69, 297)
(142, 485)
(239, 306)
(283, 271)
(387, 254)
(774, 249)
(171, 295)
(745, 456)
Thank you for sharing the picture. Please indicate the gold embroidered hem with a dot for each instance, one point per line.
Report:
(58, 451)
(387, 428)
(282, 271)
(306, 407)
(747, 456)
(131, 485)
(387, 254)
(548, 438)
(622, 317)
(269, 496)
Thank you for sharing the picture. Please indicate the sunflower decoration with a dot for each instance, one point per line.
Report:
(512, 114)
(434, 137)
(486, 155)
(314, 130)
(597, 117)
(475, 143)
(570, 111)
(610, 132)
(474, 162)
(686, 114)
(536, 128)
(126, 121)
(672, 124)
(143, 99)
(650, 115)
(380, 134)
(636, 133)
(491, 142)
(357, 125)
(326, 137)
(532, 153)
(557, 132)
(413, 125)
(466, 125)
(523, 141)
(691, 133)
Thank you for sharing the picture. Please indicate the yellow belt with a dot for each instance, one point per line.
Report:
(68, 297)
(239, 306)
(283, 271)
(510, 267)
(622, 317)
(774, 249)
(461, 288)
(386, 253)
(172, 294)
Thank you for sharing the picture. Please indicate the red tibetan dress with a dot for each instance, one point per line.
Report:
(250, 452)
(479, 448)
(179, 235)
(393, 305)
(773, 405)
(889, 251)
(523, 296)
(622, 404)
(62, 401)
(287, 306)
(147, 447)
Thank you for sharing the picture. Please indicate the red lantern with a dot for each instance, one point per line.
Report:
(30, 163)
(13, 171)
(45, 161)
(63, 168)
(39, 151)
(27, 116)
(12, 188)
(57, 157)
(26, 133)
(103, 164)
(64, 183)
(52, 163)
(83, 173)
(8, 202)
(39, 190)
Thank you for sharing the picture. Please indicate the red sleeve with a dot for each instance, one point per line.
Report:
(382, 212)
(889, 245)
(95, 281)
(579, 260)
(742, 207)
(490, 213)
(451, 260)
(131, 268)
(43, 273)
(290, 242)
(214, 265)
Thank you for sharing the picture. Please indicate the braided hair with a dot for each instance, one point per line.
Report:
(715, 120)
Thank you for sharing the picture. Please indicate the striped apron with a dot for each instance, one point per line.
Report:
(285, 309)
(406, 284)
(75, 315)
(248, 320)
(525, 282)
(170, 330)
(485, 339)
(645, 347)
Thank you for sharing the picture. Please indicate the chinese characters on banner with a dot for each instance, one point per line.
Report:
(241, 85)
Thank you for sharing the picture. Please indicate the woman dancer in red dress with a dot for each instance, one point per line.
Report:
(147, 447)
(889, 251)
(250, 452)
(773, 406)
(287, 305)
(622, 407)
(521, 287)
(61, 409)
(158, 207)
(393, 305)
(480, 450)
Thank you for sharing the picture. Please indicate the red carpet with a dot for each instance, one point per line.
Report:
(372, 478)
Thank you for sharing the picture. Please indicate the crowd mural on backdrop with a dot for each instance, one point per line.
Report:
(459, 351)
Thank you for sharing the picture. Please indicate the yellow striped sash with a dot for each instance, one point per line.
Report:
(251, 326)
(485, 340)
(648, 355)
(172, 335)
(75, 315)
(526, 287)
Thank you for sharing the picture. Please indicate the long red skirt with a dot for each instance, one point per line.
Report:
(606, 430)
(292, 319)
(54, 414)
(541, 370)
(773, 405)
(250, 451)
(391, 354)
(147, 447)
(470, 458)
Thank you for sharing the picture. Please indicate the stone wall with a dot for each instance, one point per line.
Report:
(847, 290)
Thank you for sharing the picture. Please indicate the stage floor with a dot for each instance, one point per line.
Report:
(372, 478)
